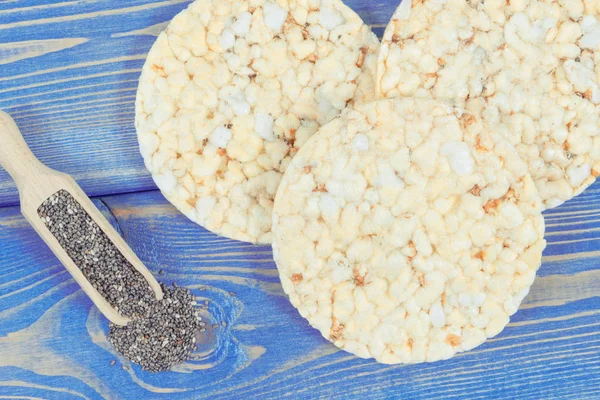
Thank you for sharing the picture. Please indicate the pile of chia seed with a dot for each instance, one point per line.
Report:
(161, 333)
(164, 336)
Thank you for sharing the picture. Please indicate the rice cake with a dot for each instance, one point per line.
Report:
(529, 68)
(230, 92)
(401, 235)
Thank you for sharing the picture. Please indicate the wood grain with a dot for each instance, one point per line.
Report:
(53, 342)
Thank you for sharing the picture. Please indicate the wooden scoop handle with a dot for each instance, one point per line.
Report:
(35, 181)
(36, 184)
(15, 156)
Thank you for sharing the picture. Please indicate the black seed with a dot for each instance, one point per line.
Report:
(172, 321)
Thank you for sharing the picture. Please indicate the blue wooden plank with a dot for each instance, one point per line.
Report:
(68, 72)
(32, 10)
(74, 98)
(259, 346)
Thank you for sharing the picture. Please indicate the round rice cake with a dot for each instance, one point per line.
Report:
(530, 68)
(402, 236)
(230, 92)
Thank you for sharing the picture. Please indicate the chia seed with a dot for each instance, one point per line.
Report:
(95, 255)
(160, 339)
(160, 334)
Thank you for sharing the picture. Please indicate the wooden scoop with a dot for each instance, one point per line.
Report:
(36, 183)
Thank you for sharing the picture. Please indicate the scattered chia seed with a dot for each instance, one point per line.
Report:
(164, 336)
(160, 334)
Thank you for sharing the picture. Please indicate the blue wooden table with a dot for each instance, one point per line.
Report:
(68, 75)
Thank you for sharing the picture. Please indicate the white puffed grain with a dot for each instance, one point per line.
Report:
(528, 68)
(412, 267)
(230, 92)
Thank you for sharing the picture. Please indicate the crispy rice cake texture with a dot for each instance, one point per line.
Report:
(528, 68)
(407, 231)
(230, 92)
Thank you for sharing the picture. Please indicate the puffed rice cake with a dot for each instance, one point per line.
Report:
(529, 68)
(230, 92)
(407, 231)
